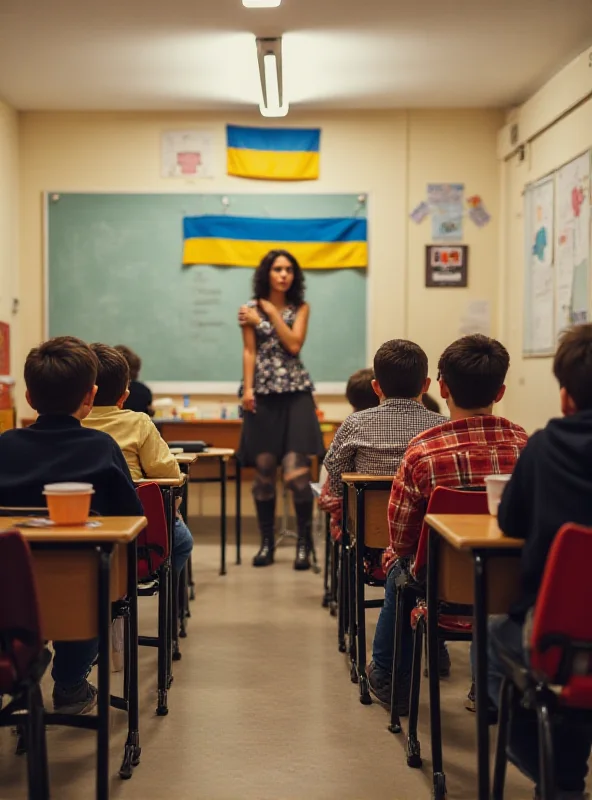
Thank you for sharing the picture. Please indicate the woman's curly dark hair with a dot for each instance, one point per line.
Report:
(295, 294)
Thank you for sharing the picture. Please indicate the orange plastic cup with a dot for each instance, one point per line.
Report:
(68, 503)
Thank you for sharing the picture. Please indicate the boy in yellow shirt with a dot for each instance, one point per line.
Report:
(146, 453)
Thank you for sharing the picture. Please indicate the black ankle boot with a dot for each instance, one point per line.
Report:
(266, 517)
(303, 546)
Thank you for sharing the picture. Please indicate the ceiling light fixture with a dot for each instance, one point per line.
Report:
(269, 57)
(261, 3)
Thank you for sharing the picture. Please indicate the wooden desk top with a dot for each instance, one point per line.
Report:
(216, 452)
(357, 477)
(121, 530)
(162, 481)
(186, 458)
(471, 532)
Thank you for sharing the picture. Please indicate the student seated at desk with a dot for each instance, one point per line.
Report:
(461, 452)
(551, 485)
(140, 396)
(60, 377)
(360, 395)
(146, 452)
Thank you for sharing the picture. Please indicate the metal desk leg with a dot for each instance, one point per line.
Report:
(104, 670)
(326, 590)
(439, 779)
(481, 696)
(238, 521)
(222, 516)
(133, 750)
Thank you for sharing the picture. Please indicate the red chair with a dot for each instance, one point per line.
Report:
(154, 569)
(454, 622)
(23, 657)
(559, 678)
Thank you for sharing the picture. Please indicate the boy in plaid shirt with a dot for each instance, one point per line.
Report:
(460, 452)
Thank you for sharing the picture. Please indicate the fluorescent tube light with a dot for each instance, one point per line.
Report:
(261, 3)
(273, 102)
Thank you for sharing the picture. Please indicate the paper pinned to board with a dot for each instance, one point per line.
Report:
(477, 211)
(476, 318)
(420, 212)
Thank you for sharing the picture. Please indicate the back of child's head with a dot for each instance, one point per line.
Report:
(430, 403)
(112, 375)
(59, 374)
(359, 392)
(573, 365)
(474, 368)
(401, 369)
(133, 359)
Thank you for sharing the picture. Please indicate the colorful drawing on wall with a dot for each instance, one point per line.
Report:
(572, 243)
(446, 205)
(447, 265)
(420, 212)
(187, 154)
(539, 295)
(477, 211)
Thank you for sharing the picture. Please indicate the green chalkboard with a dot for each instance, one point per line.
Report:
(115, 275)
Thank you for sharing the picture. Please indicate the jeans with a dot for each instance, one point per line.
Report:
(384, 638)
(72, 662)
(183, 544)
(571, 743)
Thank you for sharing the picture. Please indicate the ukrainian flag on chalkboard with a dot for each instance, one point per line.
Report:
(273, 154)
(243, 241)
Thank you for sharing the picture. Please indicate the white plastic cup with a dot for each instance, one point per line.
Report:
(495, 485)
(68, 503)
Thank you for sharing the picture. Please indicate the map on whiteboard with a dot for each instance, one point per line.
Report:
(539, 331)
(572, 243)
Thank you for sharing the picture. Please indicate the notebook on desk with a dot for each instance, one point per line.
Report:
(190, 447)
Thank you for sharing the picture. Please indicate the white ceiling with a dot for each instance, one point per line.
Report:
(200, 54)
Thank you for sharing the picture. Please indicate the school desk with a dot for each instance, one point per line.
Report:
(470, 562)
(186, 584)
(79, 571)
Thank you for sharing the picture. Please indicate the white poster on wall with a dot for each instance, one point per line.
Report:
(187, 154)
(539, 289)
(572, 243)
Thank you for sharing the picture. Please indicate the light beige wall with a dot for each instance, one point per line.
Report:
(458, 147)
(533, 394)
(9, 222)
(390, 155)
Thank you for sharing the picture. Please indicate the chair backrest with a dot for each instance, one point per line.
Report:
(153, 541)
(21, 640)
(448, 501)
(562, 625)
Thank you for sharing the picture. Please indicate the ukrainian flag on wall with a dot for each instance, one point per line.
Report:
(243, 241)
(273, 154)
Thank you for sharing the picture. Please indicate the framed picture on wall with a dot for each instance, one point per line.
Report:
(447, 265)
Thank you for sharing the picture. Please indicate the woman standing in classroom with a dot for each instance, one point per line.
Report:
(280, 425)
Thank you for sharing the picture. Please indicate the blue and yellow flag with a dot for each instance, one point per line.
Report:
(273, 154)
(243, 241)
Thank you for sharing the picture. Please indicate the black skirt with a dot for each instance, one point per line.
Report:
(282, 423)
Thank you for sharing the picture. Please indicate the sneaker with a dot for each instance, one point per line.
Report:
(380, 683)
(80, 700)
(471, 705)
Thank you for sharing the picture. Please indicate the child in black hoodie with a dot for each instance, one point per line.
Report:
(551, 485)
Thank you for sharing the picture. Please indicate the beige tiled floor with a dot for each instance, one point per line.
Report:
(261, 709)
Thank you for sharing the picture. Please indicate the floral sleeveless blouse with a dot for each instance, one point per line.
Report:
(276, 370)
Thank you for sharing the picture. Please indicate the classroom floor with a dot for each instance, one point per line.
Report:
(261, 708)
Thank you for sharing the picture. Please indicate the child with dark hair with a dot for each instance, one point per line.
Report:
(140, 396)
(60, 376)
(360, 395)
(146, 452)
(551, 485)
(461, 452)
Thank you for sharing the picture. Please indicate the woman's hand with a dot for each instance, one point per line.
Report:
(249, 401)
(248, 316)
(268, 308)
